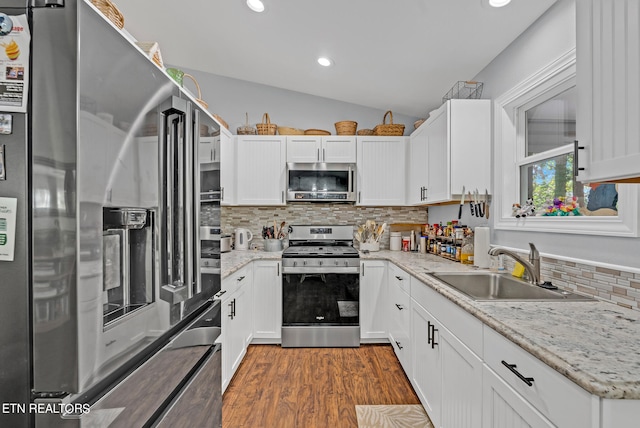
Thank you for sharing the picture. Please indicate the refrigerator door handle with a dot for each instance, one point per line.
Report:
(174, 125)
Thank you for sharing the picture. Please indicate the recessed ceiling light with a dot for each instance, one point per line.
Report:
(499, 3)
(255, 5)
(324, 61)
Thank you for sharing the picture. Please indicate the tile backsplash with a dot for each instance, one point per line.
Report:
(614, 285)
(254, 218)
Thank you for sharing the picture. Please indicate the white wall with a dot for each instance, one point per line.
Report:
(232, 98)
(547, 39)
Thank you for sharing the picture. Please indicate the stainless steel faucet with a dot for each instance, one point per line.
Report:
(532, 266)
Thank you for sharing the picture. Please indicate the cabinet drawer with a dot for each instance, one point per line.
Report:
(463, 325)
(237, 279)
(399, 277)
(553, 395)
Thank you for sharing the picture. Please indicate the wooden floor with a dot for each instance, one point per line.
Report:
(312, 387)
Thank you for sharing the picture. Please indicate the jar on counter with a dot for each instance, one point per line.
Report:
(406, 243)
(395, 242)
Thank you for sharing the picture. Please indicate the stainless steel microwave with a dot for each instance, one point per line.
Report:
(321, 182)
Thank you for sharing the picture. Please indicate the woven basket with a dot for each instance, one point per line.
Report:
(285, 130)
(199, 99)
(246, 129)
(316, 132)
(266, 127)
(110, 10)
(365, 132)
(220, 120)
(388, 129)
(346, 127)
(152, 49)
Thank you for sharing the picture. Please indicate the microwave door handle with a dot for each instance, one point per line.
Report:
(351, 179)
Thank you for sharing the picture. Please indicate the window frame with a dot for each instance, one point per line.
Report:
(509, 150)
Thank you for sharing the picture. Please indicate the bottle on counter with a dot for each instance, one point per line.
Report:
(466, 251)
(413, 240)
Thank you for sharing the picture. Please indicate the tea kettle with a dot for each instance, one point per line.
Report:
(243, 237)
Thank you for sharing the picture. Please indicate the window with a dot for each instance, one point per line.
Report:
(546, 128)
(535, 130)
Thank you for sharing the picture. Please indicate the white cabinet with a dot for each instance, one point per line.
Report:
(447, 375)
(608, 66)
(261, 170)
(399, 307)
(236, 321)
(373, 295)
(311, 149)
(381, 170)
(228, 168)
(267, 301)
(457, 137)
(502, 407)
(418, 166)
(561, 401)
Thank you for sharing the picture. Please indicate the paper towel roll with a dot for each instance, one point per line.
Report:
(481, 258)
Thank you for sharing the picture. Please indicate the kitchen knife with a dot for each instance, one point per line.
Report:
(473, 213)
(486, 203)
(461, 204)
(479, 208)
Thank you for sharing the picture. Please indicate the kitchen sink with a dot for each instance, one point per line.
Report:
(490, 286)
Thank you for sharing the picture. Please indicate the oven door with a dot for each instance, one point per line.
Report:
(320, 309)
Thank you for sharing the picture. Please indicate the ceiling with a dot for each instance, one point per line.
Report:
(403, 57)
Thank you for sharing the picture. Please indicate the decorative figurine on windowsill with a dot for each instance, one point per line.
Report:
(528, 210)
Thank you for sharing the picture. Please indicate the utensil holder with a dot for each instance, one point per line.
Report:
(272, 245)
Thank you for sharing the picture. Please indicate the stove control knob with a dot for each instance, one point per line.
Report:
(295, 264)
(346, 263)
(336, 263)
(304, 263)
(320, 262)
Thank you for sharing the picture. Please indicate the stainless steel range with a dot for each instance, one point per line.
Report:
(320, 288)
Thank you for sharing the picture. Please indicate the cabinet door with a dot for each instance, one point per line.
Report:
(399, 305)
(304, 149)
(502, 407)
(461, 383)
(608, 66)
(418, 167)
(438, 159)
(381, 170)
(233, 340)
(426, 376)
(267, 300)
(373, 291)
(338, 149)
(261, 170)
(227, 168)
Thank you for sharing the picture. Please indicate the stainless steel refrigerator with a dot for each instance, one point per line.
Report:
(99, 209)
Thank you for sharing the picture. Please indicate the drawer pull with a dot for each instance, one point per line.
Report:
(240, 279)
(400, 307)
(431, 334)
(399, 278)
(512, 367)
(399, 345)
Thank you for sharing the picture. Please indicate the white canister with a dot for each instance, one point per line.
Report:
(423, 244)
(395, 242)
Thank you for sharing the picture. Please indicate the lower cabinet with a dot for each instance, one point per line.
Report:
(267, 301)
(236, 322)
(399, 306)
(502, 407)
(373, 301)
(447, 376)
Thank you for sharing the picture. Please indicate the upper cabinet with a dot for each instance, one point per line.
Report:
(227, 170)
(450, 150)
(311, 149)
(381, 170)
(608, 66)
(260, 170)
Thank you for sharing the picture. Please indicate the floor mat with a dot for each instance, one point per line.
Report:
(394, 416)
(347, 308)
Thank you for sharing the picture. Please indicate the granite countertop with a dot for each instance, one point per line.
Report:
(594, 344)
